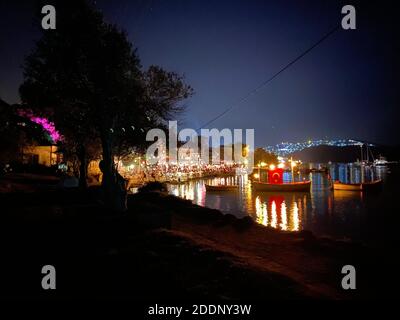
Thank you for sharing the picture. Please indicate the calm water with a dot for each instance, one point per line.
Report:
(337, 214)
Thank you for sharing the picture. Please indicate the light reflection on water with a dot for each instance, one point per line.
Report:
(281, 211)
(323, 211)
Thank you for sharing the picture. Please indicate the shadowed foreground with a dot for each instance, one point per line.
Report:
(167, 248)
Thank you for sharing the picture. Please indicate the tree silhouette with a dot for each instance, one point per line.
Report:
(87, 78)
(260, 155)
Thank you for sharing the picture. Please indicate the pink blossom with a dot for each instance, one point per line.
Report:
(47, 125)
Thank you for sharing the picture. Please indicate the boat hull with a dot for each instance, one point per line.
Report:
(221, 188)
(374, 185)
(285, 187)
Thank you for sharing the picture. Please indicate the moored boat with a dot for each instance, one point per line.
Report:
(303, 186)
(373, 185)
(221, 187)
(381, 161)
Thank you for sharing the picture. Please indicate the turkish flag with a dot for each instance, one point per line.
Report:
(275, 176)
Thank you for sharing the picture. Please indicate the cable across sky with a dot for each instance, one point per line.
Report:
(263, 84)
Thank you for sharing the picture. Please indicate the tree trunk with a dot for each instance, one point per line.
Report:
(114, 191)
(82, 167)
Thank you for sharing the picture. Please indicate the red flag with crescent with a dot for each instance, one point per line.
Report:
(275, 176)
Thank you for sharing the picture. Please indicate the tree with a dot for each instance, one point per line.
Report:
(87, 77)
(260, 155)
(9, 134)
(72, 154)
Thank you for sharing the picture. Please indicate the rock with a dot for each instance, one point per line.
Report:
(154, 187)
(229, 218)
(68, 182)
(243, 223)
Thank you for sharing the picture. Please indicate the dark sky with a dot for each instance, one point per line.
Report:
(344, 88)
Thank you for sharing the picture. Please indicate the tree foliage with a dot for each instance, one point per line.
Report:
(260, 155)
(86, 76)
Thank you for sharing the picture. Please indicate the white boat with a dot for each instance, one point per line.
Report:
(381, 161)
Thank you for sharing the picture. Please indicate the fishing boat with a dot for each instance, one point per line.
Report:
(364, 186)
(303, 186)
(221, 187)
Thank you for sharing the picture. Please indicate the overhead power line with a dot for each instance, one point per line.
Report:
(263, 84)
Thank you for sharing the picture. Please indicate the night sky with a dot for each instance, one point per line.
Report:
(344, 88)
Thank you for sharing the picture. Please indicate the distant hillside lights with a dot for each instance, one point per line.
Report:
(189, 152)
(285, 148)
